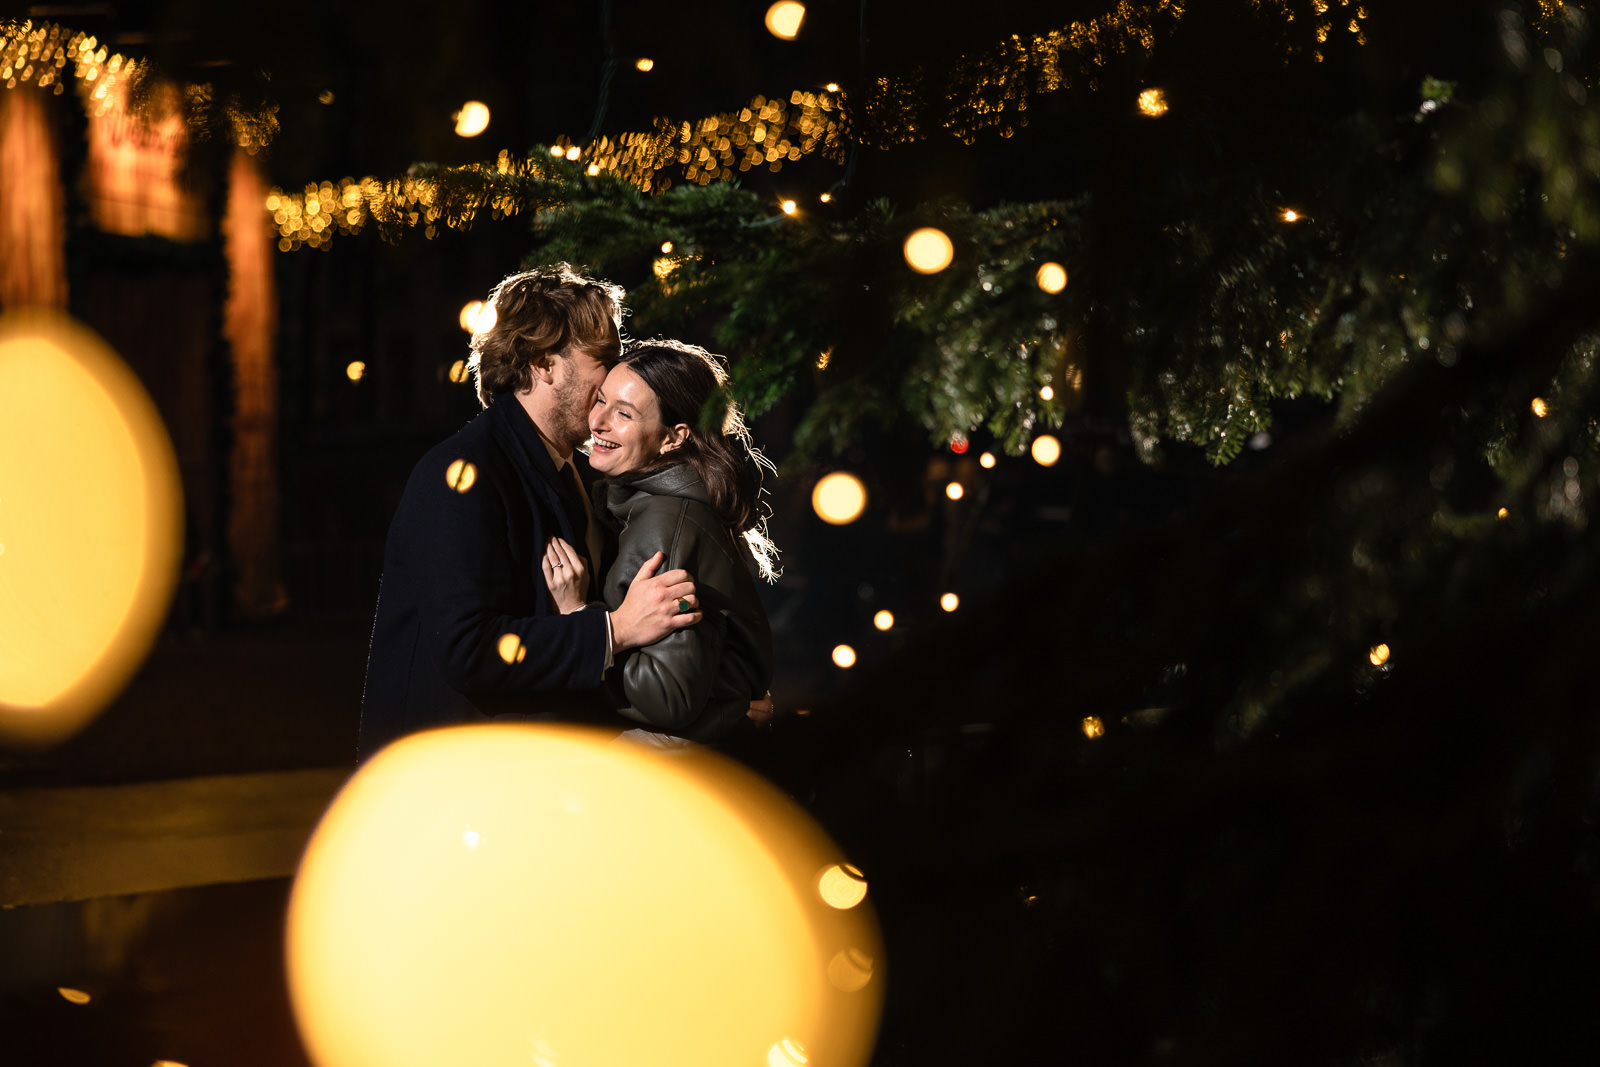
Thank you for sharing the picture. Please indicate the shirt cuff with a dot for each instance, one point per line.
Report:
(608, 662)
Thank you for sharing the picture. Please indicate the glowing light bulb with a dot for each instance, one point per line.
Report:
(949, 602)
(469, 315)
(1539, 407)
(73, 996)
(1046, 450)
(929, 250)
(354, 370)
(592, 170)
(407, 947)
(472, 119)
(93, 526)
(784, 19)
(986, 461)
(461, 475)
(884, 620)
(954, 491)
(459, 372)
(666, 248)
(1093, 727)
(959, 445)
(1047, 392)
(1051, 277)
(824, 358)
(788, 207)
(832, 87)
(573, 153)
(1153, 102)
(645, 64)
(1378, 655)
(1503, 513)
(839, 498)
(1290, 215)
(557, 150)
(825, 197)
(842, 886)
(511, 648)
(844, 656)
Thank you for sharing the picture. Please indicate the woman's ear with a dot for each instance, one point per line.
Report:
(675, 437)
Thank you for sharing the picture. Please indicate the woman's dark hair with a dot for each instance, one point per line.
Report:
(691, 387)
(541, 313)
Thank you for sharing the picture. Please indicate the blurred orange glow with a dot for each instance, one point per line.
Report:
(1046, 450)
(784, 19)
(954, 491)
(839, 498)
(472, 119)
(1379, 655)
(645, 64)
(928, 250)
(844, 656)
(91, 526)
(883, 620)
(986, 461)
(460, 475)
(1153, 102)
(1093, 727)
(412, 944)
(842, 886)
(1051, 277)
(73, 996)
(355, 371)
(1539, 407)
(949, 602)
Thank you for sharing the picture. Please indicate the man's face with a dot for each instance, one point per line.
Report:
(578, 377)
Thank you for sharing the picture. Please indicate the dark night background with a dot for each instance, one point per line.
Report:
(1395, 864)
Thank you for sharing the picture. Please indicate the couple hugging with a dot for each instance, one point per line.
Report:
(520, 580)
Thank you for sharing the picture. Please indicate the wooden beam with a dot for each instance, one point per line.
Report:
(95, 841)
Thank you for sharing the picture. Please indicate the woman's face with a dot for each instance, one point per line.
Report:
(625, 425)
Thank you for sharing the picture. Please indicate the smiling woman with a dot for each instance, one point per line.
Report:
(681, 479)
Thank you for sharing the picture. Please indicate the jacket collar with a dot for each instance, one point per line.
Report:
(615, 496)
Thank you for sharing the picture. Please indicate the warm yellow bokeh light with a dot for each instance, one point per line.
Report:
(839, 498)
(883, 620)
(1047, 392)
(472, 119)
(1153, 102)
(986, 461)
(73, 996)
(472, 896)
(1378, 655)
(825, 197)
(592, 169)
(1539, 407)
(666, 248)
(511, 648)
(461, 475)
(1290, 215)
(842, 886)
(954, 491)
(844, 656)
(1046, 450)
(459, 372)
(91, 526)
(355, 370)
(645, 64)
(949, 602)
(1093, 727)
(1503, 513)
(784, 19)
(788, 207)
(1051, 277)
(573, 153)
(469, 315)
(928, 250)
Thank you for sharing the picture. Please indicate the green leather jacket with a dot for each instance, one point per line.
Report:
(696, 682)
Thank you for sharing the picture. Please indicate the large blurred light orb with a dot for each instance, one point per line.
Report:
(784, 19)
(472, 119)
(839, 498)
(1046, 450)
(91, 526)
(928, 250)
(543, 895)
(1051, 277)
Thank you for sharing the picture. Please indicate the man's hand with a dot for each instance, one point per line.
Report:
(761, 711)
(654, 607)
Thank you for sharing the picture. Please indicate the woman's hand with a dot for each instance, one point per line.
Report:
(566, 575)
